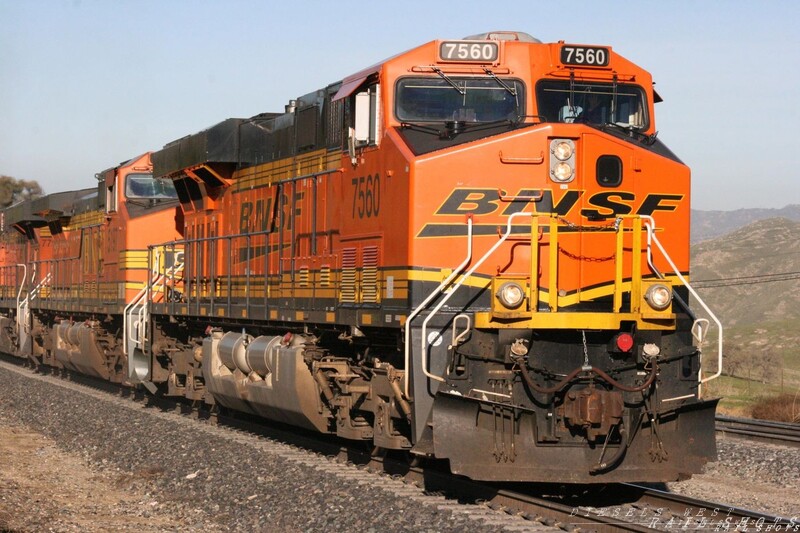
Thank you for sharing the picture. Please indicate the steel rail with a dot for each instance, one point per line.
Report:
(676, 511)
(785, 433)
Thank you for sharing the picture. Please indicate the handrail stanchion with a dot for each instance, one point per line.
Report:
(651, 238)
(467, 274)
(431, 296)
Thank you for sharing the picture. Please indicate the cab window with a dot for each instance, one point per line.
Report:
(444, 99)
(592, 103)
(146, 187)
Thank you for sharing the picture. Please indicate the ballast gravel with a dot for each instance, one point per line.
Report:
(75, 459)
(159, 471)
(757, 476)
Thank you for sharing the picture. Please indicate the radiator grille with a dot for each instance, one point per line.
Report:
(348, 286)
(369, 276)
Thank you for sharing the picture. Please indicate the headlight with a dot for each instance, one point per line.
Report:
(511, 295)
(658, 297)
(562, 150)
(562, 172)
(563, 160)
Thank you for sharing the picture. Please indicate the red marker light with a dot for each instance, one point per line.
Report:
(624, 342)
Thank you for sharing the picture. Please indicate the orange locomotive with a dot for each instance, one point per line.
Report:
(74, 263)
(476, 250)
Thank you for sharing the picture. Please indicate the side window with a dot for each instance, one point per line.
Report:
(609, 171)
(145, 187)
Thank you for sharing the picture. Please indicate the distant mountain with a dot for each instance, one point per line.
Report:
(709, 224)
(752, 274)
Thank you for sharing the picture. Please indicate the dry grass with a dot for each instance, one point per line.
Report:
(781, 408)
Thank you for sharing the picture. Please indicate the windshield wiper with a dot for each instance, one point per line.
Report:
(452, 128)
(453, 84)
(631, 131)
(512, 91)
(420, 127)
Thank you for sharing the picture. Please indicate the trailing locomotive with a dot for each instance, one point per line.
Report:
(73, 261)
(476, 250)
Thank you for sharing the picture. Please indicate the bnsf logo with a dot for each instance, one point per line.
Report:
(607, 204)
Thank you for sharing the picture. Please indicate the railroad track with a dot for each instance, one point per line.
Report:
(609, 508)
(759, 430)
(597, 508)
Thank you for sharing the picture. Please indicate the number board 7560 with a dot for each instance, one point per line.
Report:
(586, 56)
(469, 51)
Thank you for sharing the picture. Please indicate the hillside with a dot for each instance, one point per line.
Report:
(750, 278)
(710, 224)
(751, 274)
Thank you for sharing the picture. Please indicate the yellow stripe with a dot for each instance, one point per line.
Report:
(402, 279)
(133, 259)
(605, 290)
(601, 321)
(290, 167)
(91, 218)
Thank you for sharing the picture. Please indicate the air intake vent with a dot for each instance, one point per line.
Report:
(325, 276)
(348, 285)
(369, 277)
(302, 277)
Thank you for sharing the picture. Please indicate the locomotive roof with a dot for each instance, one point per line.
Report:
(36, 212)
(353, 81)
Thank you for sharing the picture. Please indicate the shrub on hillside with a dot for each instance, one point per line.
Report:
(781, 408)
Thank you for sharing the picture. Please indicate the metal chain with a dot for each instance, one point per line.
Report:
(605, 227)
(613, 225)
(586, 258)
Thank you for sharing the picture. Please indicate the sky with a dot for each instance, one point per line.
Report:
(87, 84)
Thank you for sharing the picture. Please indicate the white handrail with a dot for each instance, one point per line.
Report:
(168, 276)
(129, 309)
(651, 237)
(140, 323)
(31, 296)
(22, 284)
(136, 300)
(456, 271)
(34, 293)
(128, 336)
(503, 238)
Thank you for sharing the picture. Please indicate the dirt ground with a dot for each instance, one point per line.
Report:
(43, 488)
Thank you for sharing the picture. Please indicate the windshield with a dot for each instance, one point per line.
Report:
(592, 103)
(459, 99)
(144, 186)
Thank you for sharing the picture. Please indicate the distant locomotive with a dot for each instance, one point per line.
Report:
(461, 252)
